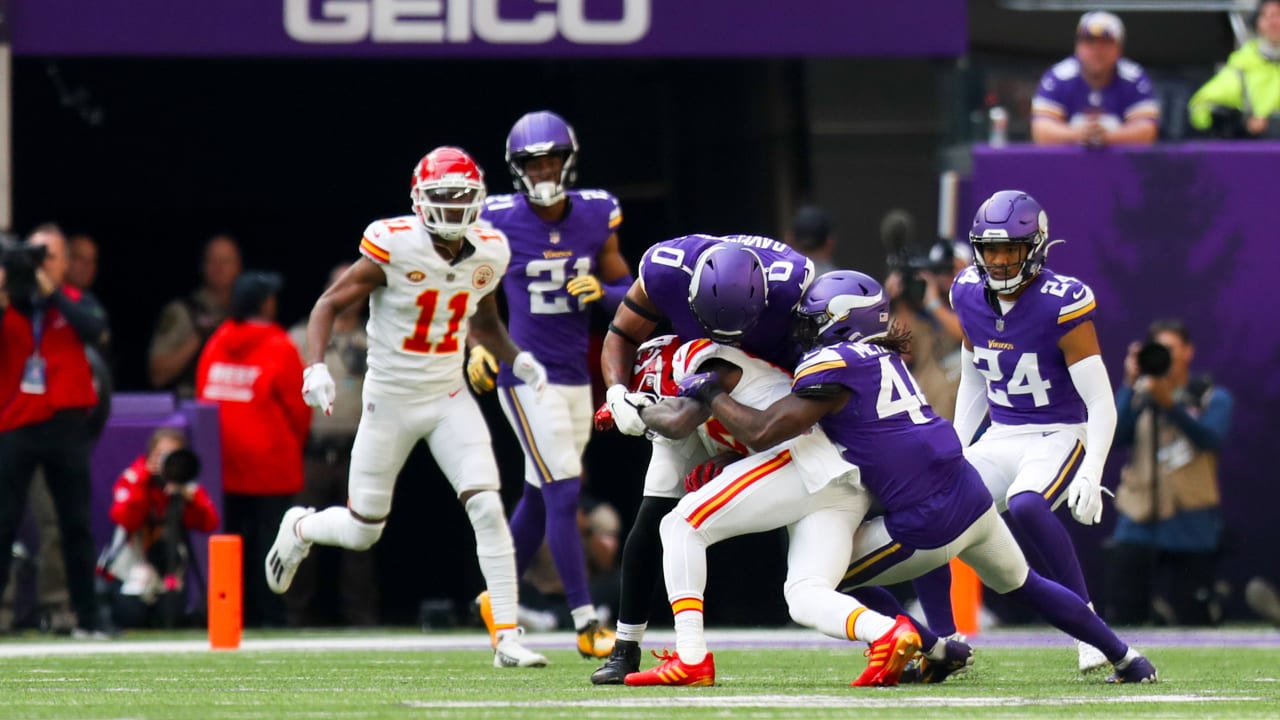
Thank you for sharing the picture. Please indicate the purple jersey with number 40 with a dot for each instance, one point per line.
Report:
(1017, 352)
(909, 457)
(667, 268)
(543, 317)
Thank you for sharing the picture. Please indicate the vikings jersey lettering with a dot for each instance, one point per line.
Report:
(1017, 352)
(909, 457)
(667, 268)
(543, 317)
(418, 323)
(761, 384)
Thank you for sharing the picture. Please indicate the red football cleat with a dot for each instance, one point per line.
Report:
(889, 655)
(673, 671)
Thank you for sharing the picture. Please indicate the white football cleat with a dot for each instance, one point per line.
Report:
(510, 653)
(1091, 658)
(288, 551)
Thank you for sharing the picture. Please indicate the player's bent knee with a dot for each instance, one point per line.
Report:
(675, 529)
(489, 523)
(801, 595)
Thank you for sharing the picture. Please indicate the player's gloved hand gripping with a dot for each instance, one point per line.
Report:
(702, 387)
(530, 371)
(482, 369)
(318, 389)
(1084, 497)
(586, 288)
(624, 408)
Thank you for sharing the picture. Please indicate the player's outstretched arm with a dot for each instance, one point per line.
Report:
(786, 418)
(675, 418)
(353, 286)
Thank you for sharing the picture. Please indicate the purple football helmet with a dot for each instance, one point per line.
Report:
(728, 291)
(536, 134)
(1010, 216)
(842, 306)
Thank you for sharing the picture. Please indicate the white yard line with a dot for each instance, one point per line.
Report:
(685, 699)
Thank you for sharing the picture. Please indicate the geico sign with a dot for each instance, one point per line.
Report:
(455, 21)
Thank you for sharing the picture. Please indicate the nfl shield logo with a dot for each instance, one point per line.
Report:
(555, 237)
(1000, 325)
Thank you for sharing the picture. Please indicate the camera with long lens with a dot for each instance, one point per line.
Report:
(898, 235)
(1154, 360)
(20, 261)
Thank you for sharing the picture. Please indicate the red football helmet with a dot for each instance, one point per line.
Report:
(447, 192)
(654, 367)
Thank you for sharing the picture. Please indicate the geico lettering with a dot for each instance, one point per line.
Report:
(454, 21)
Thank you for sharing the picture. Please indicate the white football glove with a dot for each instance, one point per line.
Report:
(625, 407)
(318, 389)
(1084, 497)
(527, 368)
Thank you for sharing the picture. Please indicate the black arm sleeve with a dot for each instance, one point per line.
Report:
(86, 316)
(820, 391)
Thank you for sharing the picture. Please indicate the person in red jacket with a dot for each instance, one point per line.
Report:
(251, 369)
(153, 502)
(46, 393)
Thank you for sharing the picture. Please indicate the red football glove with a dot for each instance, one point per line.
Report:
(708, 470)
(604, 418)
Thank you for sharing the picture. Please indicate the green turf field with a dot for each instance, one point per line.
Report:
(1212, 681)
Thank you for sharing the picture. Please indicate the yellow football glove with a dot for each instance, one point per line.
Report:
(586, 288)
(482, 369)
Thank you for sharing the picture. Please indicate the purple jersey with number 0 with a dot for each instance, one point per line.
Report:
(543, 317)
(667, 268)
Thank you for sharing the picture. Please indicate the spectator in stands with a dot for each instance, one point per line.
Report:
(186, 323)
(1243, 99)
(251, 369)
(46, 392)
(154, 503)
(811, 234)
(327, 464)
(1169, 528)
(1096, 97)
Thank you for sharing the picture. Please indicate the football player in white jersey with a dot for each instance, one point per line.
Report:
(803, 484)
(429, 278)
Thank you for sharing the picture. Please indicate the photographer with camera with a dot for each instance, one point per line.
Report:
(1167, 538)
(155, 502)
(919, 287)
(46, 393)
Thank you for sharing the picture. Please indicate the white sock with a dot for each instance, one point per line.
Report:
(691, 643)
(583, 616)
(871, 625)
(631, 633)
(1129, 657)
(327, 527)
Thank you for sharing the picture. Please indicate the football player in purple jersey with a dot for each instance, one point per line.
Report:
(855, 386)
(677, 283)
(1031, 359)
(564, 256)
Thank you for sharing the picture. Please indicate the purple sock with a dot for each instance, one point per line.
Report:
(528, 525)
(933, 590)
(1067, 612)
(1044, 539)
(882, 601)
(565, 540)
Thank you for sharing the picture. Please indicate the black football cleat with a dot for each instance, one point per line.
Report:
(622, 661)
